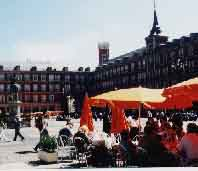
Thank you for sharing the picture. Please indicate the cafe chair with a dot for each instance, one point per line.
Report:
(65, 148)
(81, 150)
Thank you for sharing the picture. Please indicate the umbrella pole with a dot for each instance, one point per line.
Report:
(139, 115)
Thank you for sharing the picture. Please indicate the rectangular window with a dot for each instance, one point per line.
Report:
(35, 87)
(27, 98)
(57, 87)
(77, 77)
(82, 78)
(27, 87)
(67, 88)
(8, 87)
(51, 87)
(43, 98)
(27, 77)
(1, 87)
(2, 99)
(126, 68)
(2, 77)
(43, 77)
(35, 77)
(51, 98)
(35, 98)
(43, 87)
(67, 78)
(57, 77)
(19, 77)
(51, 77)
(132, 67)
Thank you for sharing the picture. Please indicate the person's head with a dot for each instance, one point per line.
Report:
(69, 125)
(178, 123)
(163, 118)
(191, 128)
(124, 135)
(148, 130)
(84, 129)
(151, 120)
(129, 121)
(135, 116)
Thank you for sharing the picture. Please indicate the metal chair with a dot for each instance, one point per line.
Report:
(81, 150)
(136, 139)
(65, 148)
(119, 157)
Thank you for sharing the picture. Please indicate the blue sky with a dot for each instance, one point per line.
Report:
(66, 32)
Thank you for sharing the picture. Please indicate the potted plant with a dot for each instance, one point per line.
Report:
(48, 147)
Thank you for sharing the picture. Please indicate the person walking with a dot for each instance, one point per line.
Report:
(43, 132)
(17, 129)
(2, 132)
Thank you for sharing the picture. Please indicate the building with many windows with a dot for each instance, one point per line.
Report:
(159, 64)
(42, 90)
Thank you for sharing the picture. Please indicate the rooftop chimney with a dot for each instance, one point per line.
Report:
(87, 69)
(65, 69)
(17, 68)
(80, 69)
(1, 67)
(34, 68)
(49, 69)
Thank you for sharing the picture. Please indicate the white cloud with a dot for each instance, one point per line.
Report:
(78, 50)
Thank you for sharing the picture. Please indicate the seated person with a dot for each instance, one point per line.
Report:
(82, 134)
(156, 152)
(66, 130)
(66, 133)
(187, 147)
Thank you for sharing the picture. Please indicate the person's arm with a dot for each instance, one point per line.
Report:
(181, 147)
(70, 134)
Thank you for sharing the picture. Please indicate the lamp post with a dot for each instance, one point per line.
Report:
(64, 103)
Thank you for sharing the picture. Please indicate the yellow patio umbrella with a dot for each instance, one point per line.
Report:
(138, 95)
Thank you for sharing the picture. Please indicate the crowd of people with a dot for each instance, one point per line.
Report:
(160, 142)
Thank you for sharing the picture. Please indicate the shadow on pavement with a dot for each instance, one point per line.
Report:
(73, 166)
(39, 162)
(25, 152)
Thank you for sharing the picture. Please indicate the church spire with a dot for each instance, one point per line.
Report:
(155, 29)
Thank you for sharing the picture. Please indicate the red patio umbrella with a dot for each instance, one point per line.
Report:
(119, 122)
(188, 88)
(179, 101)
(86, 115)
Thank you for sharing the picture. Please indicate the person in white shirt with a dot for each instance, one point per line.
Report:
(2, 132)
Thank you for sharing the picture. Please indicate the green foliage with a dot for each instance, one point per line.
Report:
(48, 144)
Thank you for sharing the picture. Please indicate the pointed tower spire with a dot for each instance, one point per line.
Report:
(155, 29)
(154, 40)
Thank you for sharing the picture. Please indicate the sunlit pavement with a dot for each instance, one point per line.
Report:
(20, 154)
